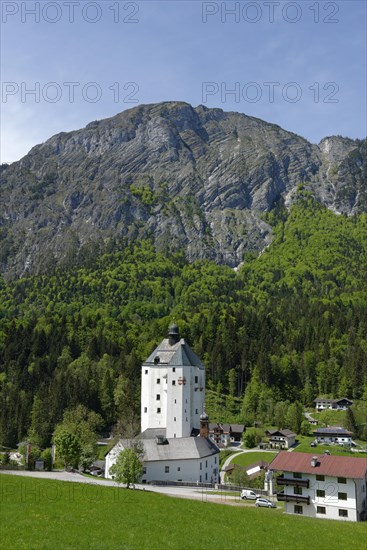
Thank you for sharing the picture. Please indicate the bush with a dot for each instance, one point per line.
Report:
(252, 437)
(47, 457)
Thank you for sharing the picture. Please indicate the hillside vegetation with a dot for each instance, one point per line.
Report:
(289, 325)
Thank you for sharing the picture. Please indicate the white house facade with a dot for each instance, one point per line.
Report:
(323, 486)
(333, 435)
(174, 427)
(281, 439)
(342, 404)
(188, 459)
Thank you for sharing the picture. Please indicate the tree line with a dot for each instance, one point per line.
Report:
(289, 325)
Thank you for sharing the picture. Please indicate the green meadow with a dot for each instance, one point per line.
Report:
(44, 514)
(245, 459)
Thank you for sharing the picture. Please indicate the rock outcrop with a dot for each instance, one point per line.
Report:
(195, 179)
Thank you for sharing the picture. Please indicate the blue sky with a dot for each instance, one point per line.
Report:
(300, 64)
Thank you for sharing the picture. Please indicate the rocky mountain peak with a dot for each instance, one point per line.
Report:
(196, 179)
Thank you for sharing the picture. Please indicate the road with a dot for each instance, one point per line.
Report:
(194, 493)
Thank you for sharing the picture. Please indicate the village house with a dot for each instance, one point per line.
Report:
(334, 435)
(225, 434)
(281, 439)
(323, 486)
(321, 404)
(174, 427)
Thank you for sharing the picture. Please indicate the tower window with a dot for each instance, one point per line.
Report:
(196, 411)
(174, 369)
(145, 409)
(158, 398)
(196, 379)
(158, 410)
(173, 382)
(158, 380)
(146, 371)
(174, 419)
(166, 469)
(175, 401)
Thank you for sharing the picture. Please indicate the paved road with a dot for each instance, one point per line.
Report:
(194, 493)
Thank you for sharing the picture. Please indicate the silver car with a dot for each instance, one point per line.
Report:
(265, 502)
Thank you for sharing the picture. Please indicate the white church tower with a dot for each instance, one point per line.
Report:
(172, 388)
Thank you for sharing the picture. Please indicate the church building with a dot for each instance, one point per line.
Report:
(174, 425)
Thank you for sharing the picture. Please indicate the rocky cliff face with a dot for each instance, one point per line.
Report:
(193, 179)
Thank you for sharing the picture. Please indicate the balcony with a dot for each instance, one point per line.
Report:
(299, 499)
(295, 482)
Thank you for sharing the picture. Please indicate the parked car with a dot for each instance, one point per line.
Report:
(265, 502)
(248, 494)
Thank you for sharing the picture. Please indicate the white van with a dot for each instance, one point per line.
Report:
(248, 494)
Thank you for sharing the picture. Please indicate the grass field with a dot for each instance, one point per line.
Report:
(304, 446)
(244, 459)
(42, 514)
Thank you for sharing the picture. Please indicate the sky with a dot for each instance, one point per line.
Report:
(64, 63)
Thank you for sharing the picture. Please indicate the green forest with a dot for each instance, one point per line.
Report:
(288, 325)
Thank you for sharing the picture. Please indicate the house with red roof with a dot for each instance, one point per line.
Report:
(322, 486)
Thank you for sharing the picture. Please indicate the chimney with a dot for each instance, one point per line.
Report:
(204, 425)
(314, 461)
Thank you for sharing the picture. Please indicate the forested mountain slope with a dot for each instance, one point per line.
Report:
(294, 318)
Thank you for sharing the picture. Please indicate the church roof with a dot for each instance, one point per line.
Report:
(173, 354)
(178, 448)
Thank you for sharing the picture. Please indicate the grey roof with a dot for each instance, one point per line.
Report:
(151, 433)
(327, 400)
(174, 355)
(100, 464)
(237, 427)
(285, 433)
(180, 448)
(332, 430)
